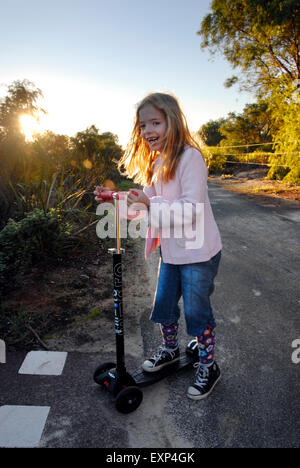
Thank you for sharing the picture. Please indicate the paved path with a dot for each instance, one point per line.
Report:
(257, 402)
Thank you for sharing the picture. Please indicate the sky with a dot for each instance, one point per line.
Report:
(94, 60)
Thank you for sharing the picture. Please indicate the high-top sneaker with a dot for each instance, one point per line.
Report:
(205, 381)
(164, 357)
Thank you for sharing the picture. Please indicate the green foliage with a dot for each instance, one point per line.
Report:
(14, 326)
(96, 153)
(210, 132)
(46, 201)
(254, 125)
(285, 106)
(94, 313)
(46, 155)
(277, 172)
(64, 192)
(238, 136)
(22, 98)
(36, 237)
(52, 170)
(125, 185)
(214, 158)
(262, 39)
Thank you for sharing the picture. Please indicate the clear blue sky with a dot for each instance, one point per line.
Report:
(95, 59)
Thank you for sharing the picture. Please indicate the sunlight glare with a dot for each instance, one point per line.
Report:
(29, 126)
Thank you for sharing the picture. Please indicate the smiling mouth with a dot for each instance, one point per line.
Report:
(152, 140)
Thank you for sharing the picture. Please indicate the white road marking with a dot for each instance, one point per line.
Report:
(22, 426)
(44, 363)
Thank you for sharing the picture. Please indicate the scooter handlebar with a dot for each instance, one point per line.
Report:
(108, 194)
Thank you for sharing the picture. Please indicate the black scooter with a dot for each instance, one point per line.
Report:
(125, 387)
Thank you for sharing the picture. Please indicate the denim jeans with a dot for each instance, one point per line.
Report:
(195, 283)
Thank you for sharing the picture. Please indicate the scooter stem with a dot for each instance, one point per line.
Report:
(118, 295)
(117, 221)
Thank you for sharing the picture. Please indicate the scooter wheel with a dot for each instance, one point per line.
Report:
(129, 399)
(99, 374)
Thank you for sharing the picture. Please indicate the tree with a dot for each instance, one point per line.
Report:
(96, 151)
(253, 126)
(210, 132)
(86, 143)
(47, 153)
(261, 37)
(285, 108)
(21, 99)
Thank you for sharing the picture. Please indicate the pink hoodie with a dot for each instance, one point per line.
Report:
(186, 194)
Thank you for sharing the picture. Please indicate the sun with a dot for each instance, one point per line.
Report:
(29, 126)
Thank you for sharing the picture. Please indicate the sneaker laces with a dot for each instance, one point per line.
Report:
(161, 350)
(201, 374)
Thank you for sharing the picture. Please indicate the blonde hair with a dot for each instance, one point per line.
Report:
(138, 160)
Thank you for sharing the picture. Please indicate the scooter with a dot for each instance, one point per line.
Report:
(113, 377)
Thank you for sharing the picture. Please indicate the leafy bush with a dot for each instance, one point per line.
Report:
(38, 236)
(125, 185)
(285, 106)
(214, 158)
(293, 176)
(277, 172)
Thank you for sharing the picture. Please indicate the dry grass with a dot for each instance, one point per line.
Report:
(254, 183)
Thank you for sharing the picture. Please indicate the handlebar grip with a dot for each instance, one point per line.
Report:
(106, 194)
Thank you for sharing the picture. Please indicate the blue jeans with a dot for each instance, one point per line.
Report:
(195, 283)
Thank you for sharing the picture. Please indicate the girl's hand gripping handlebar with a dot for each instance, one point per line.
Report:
(102, 194)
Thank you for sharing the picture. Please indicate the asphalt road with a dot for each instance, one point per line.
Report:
(257, 402)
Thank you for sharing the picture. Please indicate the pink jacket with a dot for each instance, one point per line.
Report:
(186, 195)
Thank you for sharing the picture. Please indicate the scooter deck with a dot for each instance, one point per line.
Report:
(142, 378)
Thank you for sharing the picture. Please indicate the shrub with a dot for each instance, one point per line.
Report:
(36, 237)
(214, 158)
(293, 176)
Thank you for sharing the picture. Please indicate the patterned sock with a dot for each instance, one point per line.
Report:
(169, 333)
(206, 345)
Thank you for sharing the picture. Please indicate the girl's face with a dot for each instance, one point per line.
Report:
(153, 125)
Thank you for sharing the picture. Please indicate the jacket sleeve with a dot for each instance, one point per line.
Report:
(193, 180)
(149, 191)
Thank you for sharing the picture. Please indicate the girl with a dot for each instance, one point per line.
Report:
(163, 157)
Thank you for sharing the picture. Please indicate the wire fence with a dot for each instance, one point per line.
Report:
(249, 158)
(255, 163)
(244, 146)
